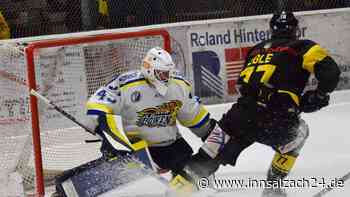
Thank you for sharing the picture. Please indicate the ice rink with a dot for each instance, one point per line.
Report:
(324, 158)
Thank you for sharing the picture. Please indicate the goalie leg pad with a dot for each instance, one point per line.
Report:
(142, 153)
(100, 176)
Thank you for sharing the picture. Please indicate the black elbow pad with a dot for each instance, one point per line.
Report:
(327, 73)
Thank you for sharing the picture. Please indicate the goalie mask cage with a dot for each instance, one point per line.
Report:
(35, 140)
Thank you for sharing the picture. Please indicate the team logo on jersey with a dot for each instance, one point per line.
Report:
(160, 116)
(136, 96)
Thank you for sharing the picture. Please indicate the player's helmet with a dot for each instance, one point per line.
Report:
(158, 68)
(284, 25)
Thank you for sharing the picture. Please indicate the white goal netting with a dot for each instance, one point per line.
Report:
(67, 75)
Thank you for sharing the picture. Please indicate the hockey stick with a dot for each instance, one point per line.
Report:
(329, 188)
(12, 77)
(72, 118)
(93, 141)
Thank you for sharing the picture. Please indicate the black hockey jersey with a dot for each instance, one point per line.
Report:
(281, 68)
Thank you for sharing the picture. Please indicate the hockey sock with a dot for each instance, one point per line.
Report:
(281, 166)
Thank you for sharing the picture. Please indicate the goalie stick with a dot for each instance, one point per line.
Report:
(324, 191)
(72, 118)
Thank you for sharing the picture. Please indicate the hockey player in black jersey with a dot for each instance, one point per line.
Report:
(271, 87)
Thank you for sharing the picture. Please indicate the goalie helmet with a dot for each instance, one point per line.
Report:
(284, 25)
(158, 68)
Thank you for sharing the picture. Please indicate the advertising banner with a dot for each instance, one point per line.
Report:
(216, 49)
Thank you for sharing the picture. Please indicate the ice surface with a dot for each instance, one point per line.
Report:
(325, 155)
(147, 186)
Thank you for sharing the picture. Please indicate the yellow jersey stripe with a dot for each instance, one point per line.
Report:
(132, 133)
(100, 107)
(113, 127)
(292, 95)
(312, 56)
(142, 144)
(197, 119)
(133, 84)
(182, 83)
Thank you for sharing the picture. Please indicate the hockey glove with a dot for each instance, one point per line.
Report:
(200, 165)
(313, 100)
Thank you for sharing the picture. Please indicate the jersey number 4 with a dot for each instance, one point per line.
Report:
(267, 69)
(103, 95)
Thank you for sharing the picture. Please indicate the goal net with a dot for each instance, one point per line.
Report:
(67, 71)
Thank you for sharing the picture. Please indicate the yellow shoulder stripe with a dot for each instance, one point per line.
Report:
(100, 107)
(312, 56)
(182, 83)
(133, 84)
(294, 97)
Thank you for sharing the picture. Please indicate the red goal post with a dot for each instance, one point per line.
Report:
(102, 56)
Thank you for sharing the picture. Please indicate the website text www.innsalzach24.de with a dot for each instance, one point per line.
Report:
(251, 183)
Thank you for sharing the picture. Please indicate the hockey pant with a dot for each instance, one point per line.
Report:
(172, 157)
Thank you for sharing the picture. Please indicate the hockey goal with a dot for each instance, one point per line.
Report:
(35, 140)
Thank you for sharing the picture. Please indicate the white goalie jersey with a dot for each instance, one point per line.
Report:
(145, 113)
